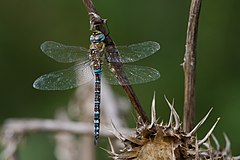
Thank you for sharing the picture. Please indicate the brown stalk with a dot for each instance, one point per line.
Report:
(99, 24)
(189, 65)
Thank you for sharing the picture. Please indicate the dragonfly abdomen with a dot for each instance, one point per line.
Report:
(98, 73)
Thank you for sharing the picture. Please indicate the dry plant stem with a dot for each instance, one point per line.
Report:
(189, 65)
(98, 23)
(24, 126)
(89, 6)
(14, 131)
(66, 145)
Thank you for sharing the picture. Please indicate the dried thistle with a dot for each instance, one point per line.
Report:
(168, 141)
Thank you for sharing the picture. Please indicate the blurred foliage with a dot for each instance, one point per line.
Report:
(25, 24)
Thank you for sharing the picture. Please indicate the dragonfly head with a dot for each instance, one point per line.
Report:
(97, 37)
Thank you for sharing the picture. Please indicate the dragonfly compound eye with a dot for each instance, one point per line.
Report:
(91, 38)
(97, 37)
(100, 37)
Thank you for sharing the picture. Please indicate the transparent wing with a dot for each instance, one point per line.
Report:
(65, 79)
(135, 75)
(135, 52)
(63, 53)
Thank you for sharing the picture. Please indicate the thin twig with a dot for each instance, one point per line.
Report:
(24, 126)
(189, 65)
(89, 5)
(99, 24)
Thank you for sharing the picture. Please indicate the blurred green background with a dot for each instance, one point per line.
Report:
(25, 24)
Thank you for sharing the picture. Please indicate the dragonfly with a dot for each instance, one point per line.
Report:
(97, 62)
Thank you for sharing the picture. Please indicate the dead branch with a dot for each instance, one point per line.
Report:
(24, 126)
(189, 65)
(14, 131)
(98, 23)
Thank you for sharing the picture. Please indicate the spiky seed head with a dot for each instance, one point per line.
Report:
(160, 141)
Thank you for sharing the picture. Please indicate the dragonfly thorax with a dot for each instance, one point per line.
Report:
(96, 51)
(97, 46)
